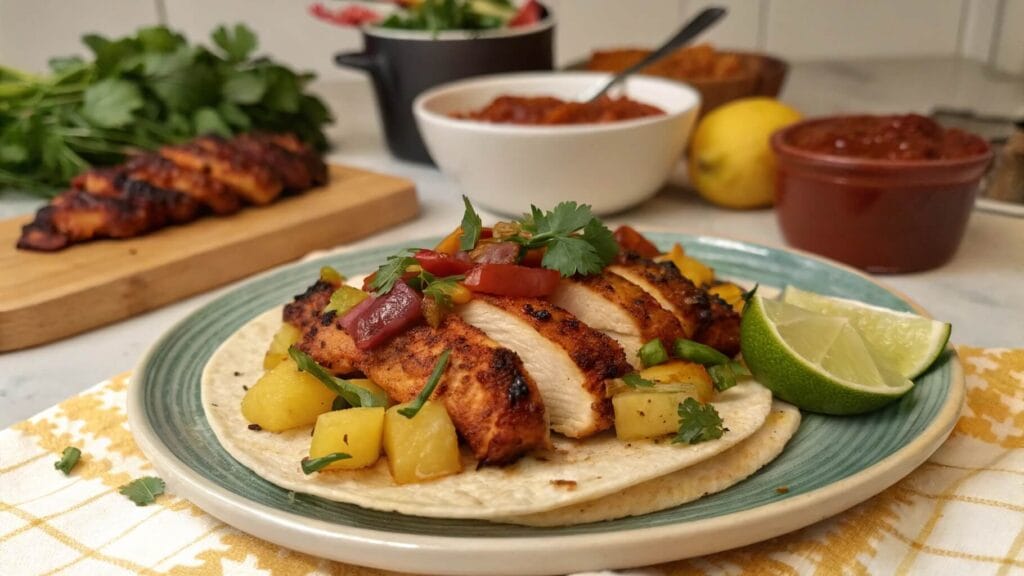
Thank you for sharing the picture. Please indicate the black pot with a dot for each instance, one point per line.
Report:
(404, 63)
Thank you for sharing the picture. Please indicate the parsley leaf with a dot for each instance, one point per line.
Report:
(602, 239)
(571, 255)
(565, 218)
(471, 225)
(698, 423)
(68, 460)
(143, 491)
(392, 271)
(354, 395)
(111, 103)
(237, 44)
(311, 465)
(576, 241)
(634, 380)
(440, 289)
(414, 408)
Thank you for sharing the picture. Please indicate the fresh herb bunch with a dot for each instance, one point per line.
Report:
(438, 15)
(140, 92)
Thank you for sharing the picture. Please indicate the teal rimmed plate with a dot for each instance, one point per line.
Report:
(830, 465)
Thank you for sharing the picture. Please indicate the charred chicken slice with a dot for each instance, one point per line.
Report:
(723, 331)
(244, 175)
(688, 303)
(492, 401)
(617, 307)
(567, 359)
(161, 172)
(295, 164)
(162, 204)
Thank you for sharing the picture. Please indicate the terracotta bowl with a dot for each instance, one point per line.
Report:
(883, 216)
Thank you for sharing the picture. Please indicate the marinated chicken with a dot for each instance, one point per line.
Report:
(617, 307)
(569, 360)
(151, 191)
(688, 303)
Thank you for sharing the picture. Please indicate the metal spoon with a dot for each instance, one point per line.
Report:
(695, 26)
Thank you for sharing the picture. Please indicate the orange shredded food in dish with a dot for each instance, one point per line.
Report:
(546, 110)
(700, 62)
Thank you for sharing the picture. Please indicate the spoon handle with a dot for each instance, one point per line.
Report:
(698, 24)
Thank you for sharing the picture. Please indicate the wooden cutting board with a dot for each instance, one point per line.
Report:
(47, 296)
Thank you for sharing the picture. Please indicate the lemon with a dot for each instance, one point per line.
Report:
(908, 342)
(731, 163)
(817, 362)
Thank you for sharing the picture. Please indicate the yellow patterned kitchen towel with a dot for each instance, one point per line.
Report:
(960, 513)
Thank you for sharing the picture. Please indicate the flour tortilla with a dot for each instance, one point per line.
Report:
(686, 485)
(572, 473)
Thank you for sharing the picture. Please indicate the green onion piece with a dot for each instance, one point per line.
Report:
(653, 353)
(310, 465)
(634, 380)
(354, 395)
(344, 299)
(739, 369)
(339, 404)
(699, 353)
(435, 377)
(722, 377)
(68, 460)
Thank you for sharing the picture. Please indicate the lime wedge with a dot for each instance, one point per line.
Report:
(908, 342)
(817, 362)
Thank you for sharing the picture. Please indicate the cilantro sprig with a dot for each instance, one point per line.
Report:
(68, 460)
(391, 271)
(143, 491)
(471, 226)
(698, 423)
(577, 242)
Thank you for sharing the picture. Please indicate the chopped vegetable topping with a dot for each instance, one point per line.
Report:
(311, 465)
(471, 225)
(68, 460)
(698, 423)
(724, 375)
(512, 280)
(441, 264)
(567, 252)
(699, 353)
(392, 271)
(424, 395)
(653, 353)
(330, 275)
(344, 299)
(143, 491)
(354, 395)
(634, 380)
(385, 317)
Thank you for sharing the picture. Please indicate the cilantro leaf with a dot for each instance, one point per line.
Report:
(602, 239)
(143, 491)
(698, 423)
(111, 103)
(354, 395)
(208, 121)
(68, 460)
(565, 218)
(237, 44)
(245, 87)
(571, 255)
(311, 465)
(391, 271)
(414, 408)
(440, 289)
(634, 380)
(471, 225)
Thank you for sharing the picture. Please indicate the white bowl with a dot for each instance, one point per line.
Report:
(508, 167)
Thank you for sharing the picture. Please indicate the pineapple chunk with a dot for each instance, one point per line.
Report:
(422, 447)
(286, 398)
(692, 269)
(354, 431)
(647, 413)
(681, 372)
(278, 351)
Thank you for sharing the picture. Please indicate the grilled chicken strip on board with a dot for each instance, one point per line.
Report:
(567, 359)
(161, 172)
(493, 402)
(244, 175)
(619, 308)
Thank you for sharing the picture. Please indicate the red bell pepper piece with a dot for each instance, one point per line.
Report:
(528, 14)
(440, 264)
(632, 241)
(512, 280)
(386, 317)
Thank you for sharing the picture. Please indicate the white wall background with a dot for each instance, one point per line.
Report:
(992, 31)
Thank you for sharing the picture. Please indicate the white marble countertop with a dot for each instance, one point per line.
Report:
(979, 291)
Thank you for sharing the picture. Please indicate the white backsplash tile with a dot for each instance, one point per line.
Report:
(33, 31)
(824, 29)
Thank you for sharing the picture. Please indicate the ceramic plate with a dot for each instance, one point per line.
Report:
(831, 464)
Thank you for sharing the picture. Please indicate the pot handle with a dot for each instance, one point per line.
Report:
(358, 60)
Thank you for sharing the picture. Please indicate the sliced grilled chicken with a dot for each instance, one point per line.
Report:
(688, 303)
(567, 359)
(245, 176)
(318, 338)
(493, 402)
(161, 172)
(704, 317)
(619, 308)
